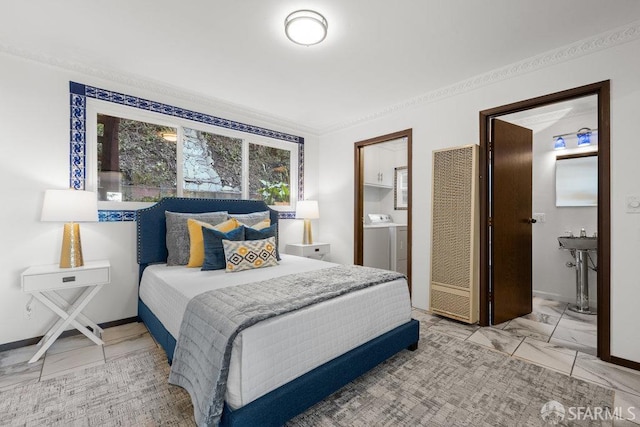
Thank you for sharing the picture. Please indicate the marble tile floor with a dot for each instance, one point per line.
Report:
(523, 340)
(554, 338)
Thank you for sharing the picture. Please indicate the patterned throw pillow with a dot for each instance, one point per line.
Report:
(249, 254)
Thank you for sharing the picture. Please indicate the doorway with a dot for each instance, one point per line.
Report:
(492, 253)
(383, 181)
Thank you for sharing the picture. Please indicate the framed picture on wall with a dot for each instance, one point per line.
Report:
(401, 188)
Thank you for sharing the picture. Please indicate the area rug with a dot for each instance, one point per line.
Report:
(446, 382)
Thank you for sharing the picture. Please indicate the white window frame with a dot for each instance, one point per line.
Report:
(95, 107)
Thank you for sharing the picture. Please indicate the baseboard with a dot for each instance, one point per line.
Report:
(561, 298)
(626, 363)
(71, 332)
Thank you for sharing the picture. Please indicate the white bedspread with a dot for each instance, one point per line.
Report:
(275, 351)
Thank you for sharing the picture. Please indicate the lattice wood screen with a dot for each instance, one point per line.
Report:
(454, 248)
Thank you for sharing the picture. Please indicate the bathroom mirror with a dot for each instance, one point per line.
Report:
(577, 180)
(400, 188)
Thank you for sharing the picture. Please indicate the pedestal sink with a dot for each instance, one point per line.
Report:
(580, 248)
(578, 243)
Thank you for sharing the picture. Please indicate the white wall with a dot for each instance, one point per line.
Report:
(34, 156)
(551, 277)
(453, 121)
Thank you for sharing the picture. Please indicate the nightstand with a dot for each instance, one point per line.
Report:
(44, 281)
(314, 250)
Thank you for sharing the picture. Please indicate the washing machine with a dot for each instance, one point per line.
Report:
(384, 243)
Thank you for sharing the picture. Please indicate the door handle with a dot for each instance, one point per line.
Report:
(532, 220)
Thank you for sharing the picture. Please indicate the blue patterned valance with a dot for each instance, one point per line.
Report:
(78, 138)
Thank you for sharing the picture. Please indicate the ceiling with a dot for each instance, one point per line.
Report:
(377, 53)
(540, 118)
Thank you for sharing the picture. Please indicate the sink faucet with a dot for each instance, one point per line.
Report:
(583, 232)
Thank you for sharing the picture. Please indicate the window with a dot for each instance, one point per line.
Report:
(269, 174)
(136, 160)
(142, 157)
(212, 165)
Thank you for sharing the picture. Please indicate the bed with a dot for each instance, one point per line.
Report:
(282, 366)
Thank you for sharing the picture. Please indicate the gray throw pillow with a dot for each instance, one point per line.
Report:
(251, 218)
(178, 233)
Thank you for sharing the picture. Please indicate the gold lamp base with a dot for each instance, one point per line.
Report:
(71, 254)
(307, 238)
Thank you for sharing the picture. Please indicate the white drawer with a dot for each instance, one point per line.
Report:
(315, 249)
(65, 279)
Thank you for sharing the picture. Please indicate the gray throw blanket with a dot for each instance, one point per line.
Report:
(213, 319)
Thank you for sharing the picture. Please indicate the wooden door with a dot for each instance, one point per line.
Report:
(511, 179)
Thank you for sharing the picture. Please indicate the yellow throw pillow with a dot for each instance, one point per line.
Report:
(196, 241)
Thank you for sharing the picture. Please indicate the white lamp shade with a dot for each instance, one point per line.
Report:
(307, 209)
(70, 206)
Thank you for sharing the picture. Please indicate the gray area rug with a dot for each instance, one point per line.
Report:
(446, 382)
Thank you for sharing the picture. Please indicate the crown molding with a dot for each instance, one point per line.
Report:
(583, 47)
(568, 52)
(221, 107)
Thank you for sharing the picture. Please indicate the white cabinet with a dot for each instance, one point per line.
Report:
(385, 247)
(378, 166)
(375, 244)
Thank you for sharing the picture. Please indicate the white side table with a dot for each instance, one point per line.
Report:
(44, 281)
(314, 250)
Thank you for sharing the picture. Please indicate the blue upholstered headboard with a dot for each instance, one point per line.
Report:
(152, 247)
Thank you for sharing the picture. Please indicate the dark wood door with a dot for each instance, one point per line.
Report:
(511, 190)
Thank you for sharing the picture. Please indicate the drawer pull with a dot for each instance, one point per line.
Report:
(68, 279)
(317, 249)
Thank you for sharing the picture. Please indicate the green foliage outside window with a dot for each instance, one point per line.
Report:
(269, 174)
(274, 193)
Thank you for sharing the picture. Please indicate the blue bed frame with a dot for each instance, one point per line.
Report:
(293, 398)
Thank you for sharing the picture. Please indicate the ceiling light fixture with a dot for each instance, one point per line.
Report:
(305, 27)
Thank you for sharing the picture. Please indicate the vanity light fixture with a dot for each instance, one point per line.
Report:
(584, 137)
(559, 144)
(305, 27)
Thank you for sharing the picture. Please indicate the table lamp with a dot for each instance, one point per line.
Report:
(307, 210)
(71, 207)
